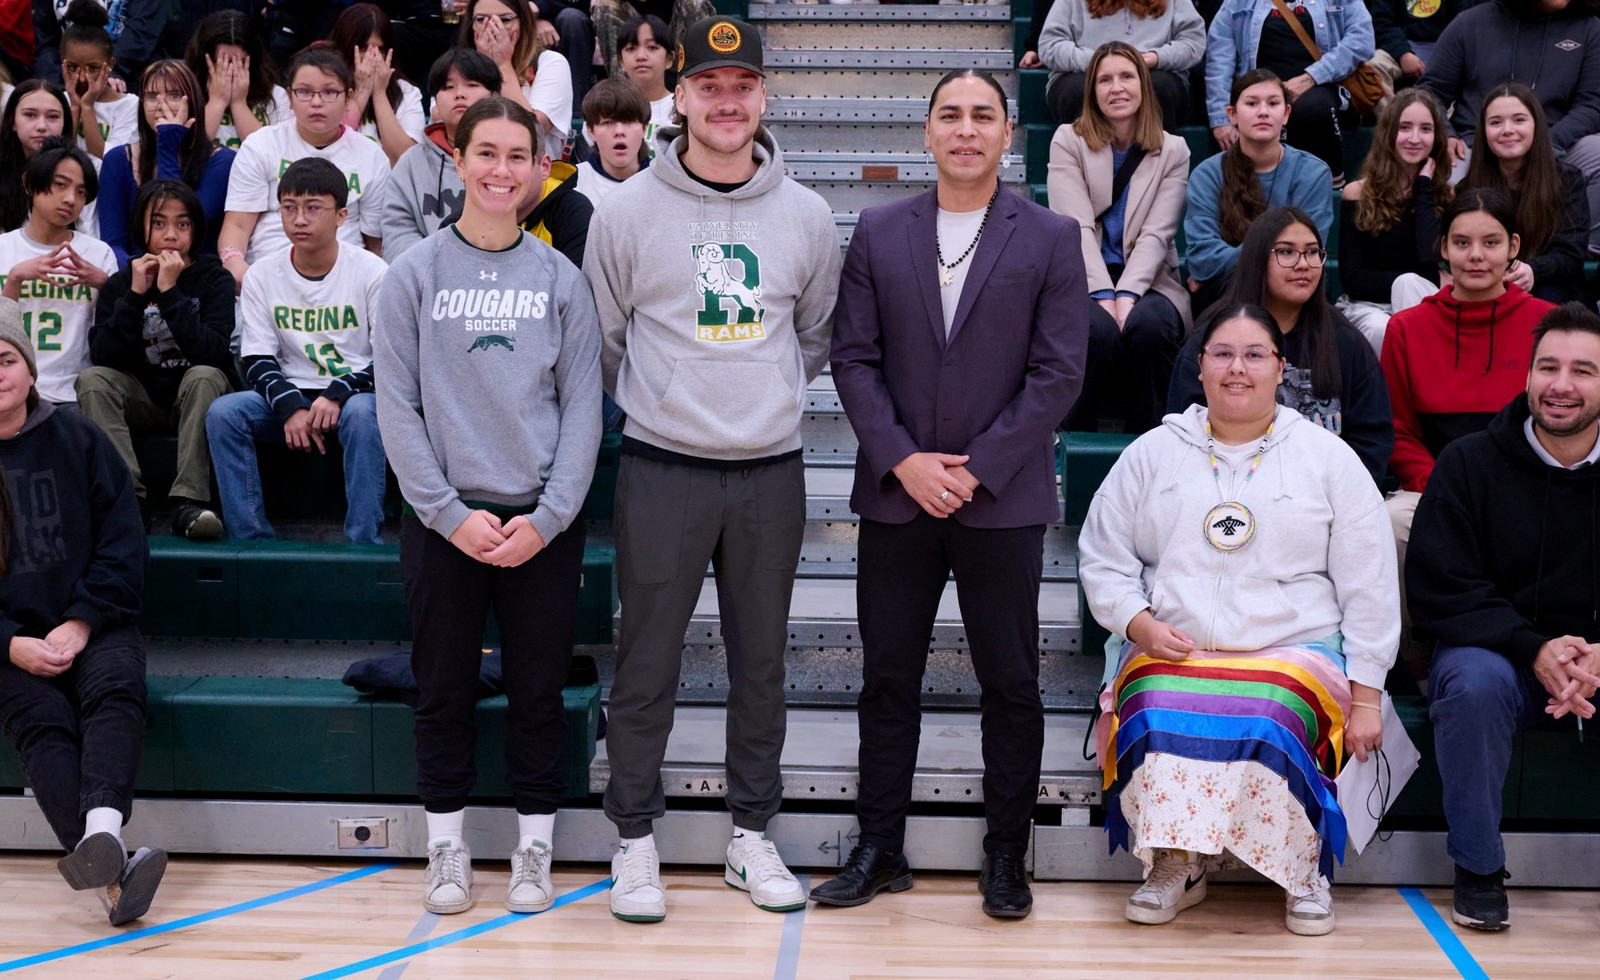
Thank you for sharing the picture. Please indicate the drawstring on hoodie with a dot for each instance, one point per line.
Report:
(1494, 308)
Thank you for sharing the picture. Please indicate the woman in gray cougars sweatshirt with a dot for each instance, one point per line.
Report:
(488, 378)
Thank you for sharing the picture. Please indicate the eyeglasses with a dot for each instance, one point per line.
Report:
(163, 98)
(1290, 257)
(93, 67)
(312, 211)
(506, 20)
(312, 94)
(1221, 356)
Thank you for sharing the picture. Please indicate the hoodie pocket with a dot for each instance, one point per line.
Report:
(728, 404)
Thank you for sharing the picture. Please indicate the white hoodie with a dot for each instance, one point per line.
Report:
(1322, 560)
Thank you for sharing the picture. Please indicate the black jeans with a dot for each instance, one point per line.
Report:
(536, 607)
(1064, 93)
(80, 733)
(1128, 370)
(1315, 127)
(900, 576)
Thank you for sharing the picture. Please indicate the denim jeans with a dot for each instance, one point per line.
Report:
(1477, 700)
(236, 422)
(80, 734)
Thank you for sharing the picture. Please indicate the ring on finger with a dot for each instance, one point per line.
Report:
(944, 495)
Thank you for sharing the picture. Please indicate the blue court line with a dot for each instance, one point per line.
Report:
(1442, 934)
(794, 925)
(421, 930)
(194, 920)
(500, 922)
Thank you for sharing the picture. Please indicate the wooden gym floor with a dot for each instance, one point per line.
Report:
(239, 920)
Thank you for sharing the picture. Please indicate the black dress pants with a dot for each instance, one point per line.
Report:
(901, 574)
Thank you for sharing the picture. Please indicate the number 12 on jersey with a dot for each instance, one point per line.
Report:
(329, 362)
(48, 337)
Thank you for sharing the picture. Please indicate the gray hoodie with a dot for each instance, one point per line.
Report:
(715, 308)
(1322, 560)
(424, 192)
(488, 381)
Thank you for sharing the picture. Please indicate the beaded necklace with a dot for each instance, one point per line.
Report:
(945, 278)
(1230, 525)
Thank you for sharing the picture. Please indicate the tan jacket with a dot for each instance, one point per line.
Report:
(1080, 188)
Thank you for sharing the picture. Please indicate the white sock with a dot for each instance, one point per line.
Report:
(103, 820)
(536, 828)
(445, 829)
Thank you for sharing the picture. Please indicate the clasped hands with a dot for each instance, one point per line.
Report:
(1569, 669)
(482, 536)
(938, 482)
(53, 654)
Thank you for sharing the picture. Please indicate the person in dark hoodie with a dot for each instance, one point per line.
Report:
(1553, 47)
(72, 688)
(559, 216)
(1409, 29)
(425, 192)
(1504, 580)
(160, 347)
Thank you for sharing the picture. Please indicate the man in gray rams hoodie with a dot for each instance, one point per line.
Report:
(715, 277)
(1553, 47)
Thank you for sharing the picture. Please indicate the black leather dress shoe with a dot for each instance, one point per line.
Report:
(869, 871)
(1003, 883)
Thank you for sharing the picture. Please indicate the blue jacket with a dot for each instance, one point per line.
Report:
(1342, 30)
(1301, 181)
(119, 187)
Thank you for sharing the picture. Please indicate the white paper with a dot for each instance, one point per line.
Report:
(1364, 787)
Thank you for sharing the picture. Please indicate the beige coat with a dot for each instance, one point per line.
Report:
(1080, 188)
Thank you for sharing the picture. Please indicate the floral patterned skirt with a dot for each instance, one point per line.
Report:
(1229, 753)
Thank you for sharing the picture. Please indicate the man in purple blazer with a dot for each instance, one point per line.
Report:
(958, 346)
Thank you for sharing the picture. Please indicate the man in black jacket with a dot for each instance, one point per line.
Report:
(1502, 576)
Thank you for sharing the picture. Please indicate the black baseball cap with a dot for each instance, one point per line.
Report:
(719, 42)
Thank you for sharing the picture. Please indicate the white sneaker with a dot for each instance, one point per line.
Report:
(755, 867)
(530, 889)
(636, 892)
(447, 888)
(1309, 915)
(1176, 882)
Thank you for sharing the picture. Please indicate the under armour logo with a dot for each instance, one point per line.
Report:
(485, 274)
(1229, 526)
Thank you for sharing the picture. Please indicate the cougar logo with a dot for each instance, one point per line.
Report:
(729, 279)
(493, 340)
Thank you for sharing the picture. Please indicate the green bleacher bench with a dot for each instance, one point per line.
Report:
(314, 590)
(304, 737)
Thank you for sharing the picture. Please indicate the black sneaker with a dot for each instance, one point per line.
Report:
(1480, 900)
(196, 522)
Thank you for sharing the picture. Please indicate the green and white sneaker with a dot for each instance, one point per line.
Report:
(755, 867)
(530, 889)
(636, 892)
(447, 889)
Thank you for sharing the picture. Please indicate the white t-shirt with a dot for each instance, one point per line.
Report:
(119, 121)
(551, 93)
(56, 318)
(275, 112)
(594, 183)
(956, 229)
(267, 153)
(318, 329)
(660, 115)
(412, 119)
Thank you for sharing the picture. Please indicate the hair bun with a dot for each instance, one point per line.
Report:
(86, 13)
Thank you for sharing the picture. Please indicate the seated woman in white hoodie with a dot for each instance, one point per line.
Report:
(1245, 555)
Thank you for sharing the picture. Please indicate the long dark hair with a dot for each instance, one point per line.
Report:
(1317, 318)
(1221, 313)
(232, 27)
(194, 152)
(14, 201)
(1242, 201)
(358, 23)
(1541, 197)
(1496, 204)
(156, 193)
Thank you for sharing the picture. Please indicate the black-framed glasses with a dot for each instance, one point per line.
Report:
(1290, 257)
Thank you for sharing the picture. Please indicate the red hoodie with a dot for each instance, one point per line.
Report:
(1450, 367)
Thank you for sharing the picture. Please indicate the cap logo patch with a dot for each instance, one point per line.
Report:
(724, 37)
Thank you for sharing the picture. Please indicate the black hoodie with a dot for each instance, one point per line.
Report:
(157, 336)
(75, 544)
(1503, 551)
(1557, 55)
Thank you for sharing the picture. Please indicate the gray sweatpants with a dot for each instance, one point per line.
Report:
(671, 520)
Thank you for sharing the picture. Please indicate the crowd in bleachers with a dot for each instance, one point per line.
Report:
(296, 244)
